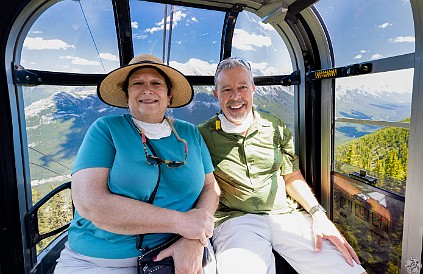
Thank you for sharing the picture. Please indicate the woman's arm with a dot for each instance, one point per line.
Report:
(94, 201)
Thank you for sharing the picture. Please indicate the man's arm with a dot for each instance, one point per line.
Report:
(298, 189)
(323, 228)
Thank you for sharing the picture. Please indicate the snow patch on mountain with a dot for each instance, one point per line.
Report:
(194, 66)
(35, 108)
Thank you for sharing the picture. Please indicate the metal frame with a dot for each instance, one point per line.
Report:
(123, 30)
(29, 77)
(412, 245)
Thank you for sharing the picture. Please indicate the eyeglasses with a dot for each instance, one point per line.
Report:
(243, 62)
(240, 60)
(156, 161)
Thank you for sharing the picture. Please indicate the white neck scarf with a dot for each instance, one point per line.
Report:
(229, 127)
(154, 131)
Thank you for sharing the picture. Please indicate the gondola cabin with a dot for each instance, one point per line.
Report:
(346, 76)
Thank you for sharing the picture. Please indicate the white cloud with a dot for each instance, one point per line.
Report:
(140, 36)
(384, 81)
(263, 68)
(109, 56)
(249, 41)
(363, 51)
(193, 19)
(384, 25)
(358, 56)
(134, 25)
(177, 16)
(265, 26)
(377, 56)
(403, 39)
(38, 43)
(80, 61)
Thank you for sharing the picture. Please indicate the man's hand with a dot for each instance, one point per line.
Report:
(187, 255)
(323, 228)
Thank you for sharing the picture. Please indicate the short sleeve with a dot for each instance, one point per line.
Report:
(205, 155)
(97, 148)
(290, 161)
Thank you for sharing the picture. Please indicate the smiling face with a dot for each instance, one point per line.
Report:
(148, 96)
(235, 91)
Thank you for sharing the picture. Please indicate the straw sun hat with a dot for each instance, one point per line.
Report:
(110, 89)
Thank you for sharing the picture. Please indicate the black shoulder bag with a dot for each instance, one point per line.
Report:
(145, 263)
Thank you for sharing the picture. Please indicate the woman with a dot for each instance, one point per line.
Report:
(116, 171)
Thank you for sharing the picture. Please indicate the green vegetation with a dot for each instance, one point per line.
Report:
(384, 153)
(54, 214)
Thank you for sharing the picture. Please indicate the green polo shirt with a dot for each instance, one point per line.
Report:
(249, 169)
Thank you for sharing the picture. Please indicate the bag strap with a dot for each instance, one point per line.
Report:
(140, 237)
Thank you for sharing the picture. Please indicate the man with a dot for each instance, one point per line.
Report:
(256, 168)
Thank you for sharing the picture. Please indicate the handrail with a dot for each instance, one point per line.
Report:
(31, 218)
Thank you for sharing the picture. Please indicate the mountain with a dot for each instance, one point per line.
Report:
(358, 103)
(56, 126)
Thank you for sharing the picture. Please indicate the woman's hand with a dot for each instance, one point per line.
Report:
(323, 228)
(187, 255)
(197, 224)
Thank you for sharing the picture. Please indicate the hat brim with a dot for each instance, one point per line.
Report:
(110, 90)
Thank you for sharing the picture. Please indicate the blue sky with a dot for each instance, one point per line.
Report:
(79, 36)
(365, 30)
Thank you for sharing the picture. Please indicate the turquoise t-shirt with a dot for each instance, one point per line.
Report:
(113, 142)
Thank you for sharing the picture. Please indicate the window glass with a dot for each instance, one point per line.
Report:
(379, 149)
(364, 30)
(372, 222)
(371, 128)
(191, 40)
(203, 106)
(73, 36)
(54, 214)
(260, 45)
(264, 49)
(57, 118)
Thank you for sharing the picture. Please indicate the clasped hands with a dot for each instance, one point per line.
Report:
(323, 228)
(196, 227)
(197, 224)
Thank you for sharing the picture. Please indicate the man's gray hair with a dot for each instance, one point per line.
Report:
(230, 63)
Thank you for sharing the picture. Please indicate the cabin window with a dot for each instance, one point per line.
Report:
(359, 34)
(57, 118)
(77, 42)
(362, 139)
(189, 37)
(371, 128)
(262, 46)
